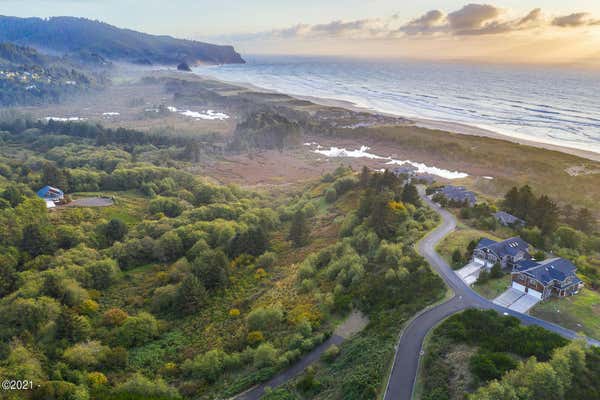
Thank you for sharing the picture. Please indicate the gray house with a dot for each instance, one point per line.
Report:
(549, 278)
(507, 219)
(458, 194)
(507, 253)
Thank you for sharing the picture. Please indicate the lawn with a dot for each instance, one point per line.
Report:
(460, 239)
(492, 288)
(580, 313)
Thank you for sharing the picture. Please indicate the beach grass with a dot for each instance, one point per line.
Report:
(580, 313)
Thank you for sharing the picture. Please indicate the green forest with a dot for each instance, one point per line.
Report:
(188, 289)
(480, 355)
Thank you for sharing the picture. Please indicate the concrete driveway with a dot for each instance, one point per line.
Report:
(470, 272)
(516, 300)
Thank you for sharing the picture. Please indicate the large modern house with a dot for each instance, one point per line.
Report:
(553, 277)
(506, 253)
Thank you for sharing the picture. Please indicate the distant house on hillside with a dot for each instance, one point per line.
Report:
(554, 277)
(507, 219)
(458, 195)
(405, 169)
(506, 253)
(51, 195)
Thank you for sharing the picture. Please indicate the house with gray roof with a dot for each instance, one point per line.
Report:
(555, 277)
(506, 253)
(458, 195)
(507, 219)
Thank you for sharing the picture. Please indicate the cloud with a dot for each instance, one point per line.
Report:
(429, 22)
(575, 20)
(472, 17)
(470, 20)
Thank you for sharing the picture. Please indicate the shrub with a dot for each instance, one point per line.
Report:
(487, 366)
(266, 260)
(138, 330)
(96, 379)
(496, 271)
(255, 337)
(140, 387)
(211, 365)
(85, 355)
(114, 317)
(265, 355)
(331, 353)
(330, 195)
(89, 307)
(170, 207)
(264, 319)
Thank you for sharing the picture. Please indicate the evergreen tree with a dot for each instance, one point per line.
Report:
(115, 230)
(545, 214)
(584, 220)
(526, 203)
(54, 176)
(364, 177)
(299, 231)
(410, 194)
(511, 200)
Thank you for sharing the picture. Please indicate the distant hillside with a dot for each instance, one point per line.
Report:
(30, 78)
(80, 35)
(13, 54)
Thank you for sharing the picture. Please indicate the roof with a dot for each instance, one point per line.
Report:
(485, 242)
(507, 219)
(407, 169)
(49, 192)
(508, 247)
(546, 271)
(458, 193)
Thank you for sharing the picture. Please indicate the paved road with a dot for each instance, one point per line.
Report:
(406, 360)
(258, 391)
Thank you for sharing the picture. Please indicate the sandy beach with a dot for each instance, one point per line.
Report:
(455, 127)
(447, 126)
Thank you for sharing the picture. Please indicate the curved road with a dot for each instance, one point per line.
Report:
(408, 351)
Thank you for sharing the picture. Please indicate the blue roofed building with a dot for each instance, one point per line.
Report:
(458, 195)
(507, 219)
(506, 253)
(554, 277)
(51, 195)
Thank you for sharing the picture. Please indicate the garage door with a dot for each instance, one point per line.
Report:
(518, 286)
(535, 293)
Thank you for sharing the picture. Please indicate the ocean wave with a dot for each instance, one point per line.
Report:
(559, 106)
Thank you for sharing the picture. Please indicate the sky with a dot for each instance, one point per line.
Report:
(548, 31)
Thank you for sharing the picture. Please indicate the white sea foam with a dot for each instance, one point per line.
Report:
(65, 119)
(208, 115)
(489, 178)
(364, 153)
(111, 114)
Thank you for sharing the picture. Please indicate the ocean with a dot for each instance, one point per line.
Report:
(544, 104)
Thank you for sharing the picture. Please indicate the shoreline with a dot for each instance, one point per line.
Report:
(454, 127)
(441, 125)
